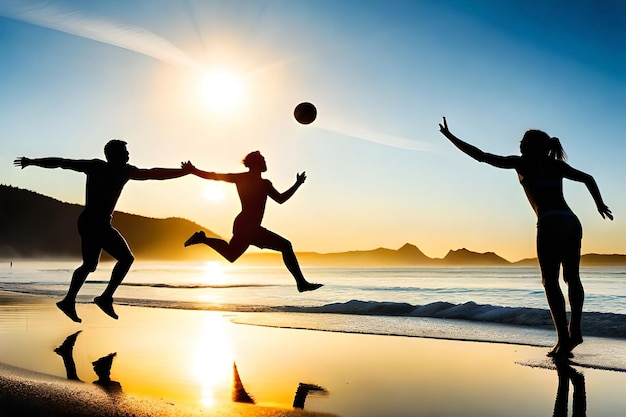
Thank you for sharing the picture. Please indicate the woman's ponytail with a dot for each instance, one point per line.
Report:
(555, 149)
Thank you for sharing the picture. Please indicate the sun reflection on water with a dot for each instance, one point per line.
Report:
(213, 361)
(214, 273)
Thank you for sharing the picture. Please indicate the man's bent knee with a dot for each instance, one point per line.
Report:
(233, 257)
(286, 246)
(129, 259)
(88, 267)
(126, 260)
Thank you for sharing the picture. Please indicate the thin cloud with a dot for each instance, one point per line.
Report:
(133, 38)
(368, 135)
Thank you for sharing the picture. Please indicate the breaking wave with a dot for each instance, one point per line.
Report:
(594, 324)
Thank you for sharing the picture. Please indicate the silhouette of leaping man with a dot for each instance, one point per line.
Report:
(541, 169)
(105, 181)
(253, 191)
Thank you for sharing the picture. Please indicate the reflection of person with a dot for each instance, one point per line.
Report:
(105, 181)
(247, 230)
(541, 169)
(66, 352)
(303, 391)
(579, 404)
(239, 393)
(102, 366)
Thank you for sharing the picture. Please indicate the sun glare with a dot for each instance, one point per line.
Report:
(213, 361)
(222, 90)
(213, 193)
(214, 273)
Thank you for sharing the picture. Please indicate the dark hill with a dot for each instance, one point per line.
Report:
(35, 226)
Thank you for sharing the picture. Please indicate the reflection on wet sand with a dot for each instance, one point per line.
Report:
(566, 374)
(102, 366)
(303, 391)
(66, 352)
(240, 394)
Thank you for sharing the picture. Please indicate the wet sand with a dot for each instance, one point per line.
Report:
(176, 362)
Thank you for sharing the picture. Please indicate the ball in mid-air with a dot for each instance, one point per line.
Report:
(305, 113)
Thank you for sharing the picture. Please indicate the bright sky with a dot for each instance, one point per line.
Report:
(75, 74)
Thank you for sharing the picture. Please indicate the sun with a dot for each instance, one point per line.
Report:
(213, 193)
(222, 90)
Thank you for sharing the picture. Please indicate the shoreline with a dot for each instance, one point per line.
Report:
(533, 323)
(180, 362)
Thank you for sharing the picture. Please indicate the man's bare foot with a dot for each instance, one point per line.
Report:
(308, 286)
(106, 305)
(195, 238)
(69, 309)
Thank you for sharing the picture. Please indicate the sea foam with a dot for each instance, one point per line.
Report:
(593, 323)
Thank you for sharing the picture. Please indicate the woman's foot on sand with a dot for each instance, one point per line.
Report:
(197, 237)
(575, 339)
(69, 309)
(106, 305)
(560, 351)
(308, 286)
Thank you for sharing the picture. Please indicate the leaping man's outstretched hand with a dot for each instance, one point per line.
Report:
(187, 167)
(21, 162)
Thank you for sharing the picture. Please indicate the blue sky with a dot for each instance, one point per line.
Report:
(382, 74)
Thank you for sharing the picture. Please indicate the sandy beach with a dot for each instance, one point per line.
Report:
(177, 362)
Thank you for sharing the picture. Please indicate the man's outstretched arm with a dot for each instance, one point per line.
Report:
(73, 164)
(162, 173)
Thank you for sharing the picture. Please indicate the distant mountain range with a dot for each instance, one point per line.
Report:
(36, 226)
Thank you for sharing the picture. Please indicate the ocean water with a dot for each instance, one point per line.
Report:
(503, 305)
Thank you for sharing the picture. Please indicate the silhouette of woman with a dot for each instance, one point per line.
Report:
(541, 169)
(253, 191)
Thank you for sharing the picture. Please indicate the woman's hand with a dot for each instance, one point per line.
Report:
(605, 212)
(443, 128)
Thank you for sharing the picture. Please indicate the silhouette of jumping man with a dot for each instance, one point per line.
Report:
(253, 191)
(541, 169)
(105, 181)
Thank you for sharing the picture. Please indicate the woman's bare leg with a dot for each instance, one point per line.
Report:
(556, 302)
(576, 295)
